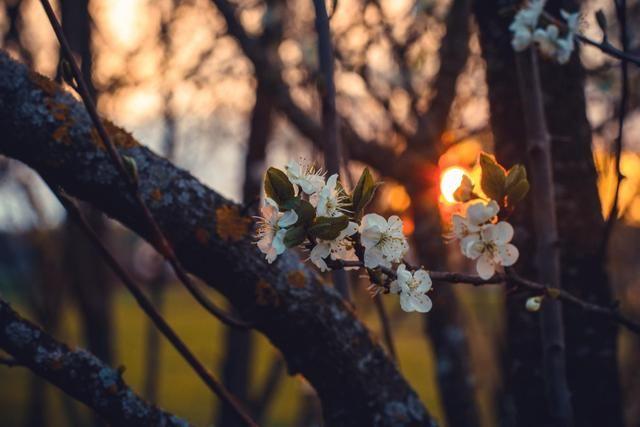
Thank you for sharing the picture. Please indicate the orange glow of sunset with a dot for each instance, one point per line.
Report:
(450, 181)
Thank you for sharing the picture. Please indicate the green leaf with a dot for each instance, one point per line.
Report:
(517, 193)
(305, 210)
(493, 178)
(295, 236)
(326, 228)
(363, 193)
(277, 186)
(516, 174)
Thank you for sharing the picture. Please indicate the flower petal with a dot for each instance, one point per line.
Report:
(508, 254)
(288, 218)
(503, 233)
(406, 302)
(473, 248)
(373, 258)
(424, 279)
(394, 226)
(317, 255)
(485, 266)
(421, 303)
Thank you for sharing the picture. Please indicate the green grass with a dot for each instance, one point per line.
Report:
(181, 392)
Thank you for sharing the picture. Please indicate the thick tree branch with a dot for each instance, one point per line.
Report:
(78, 373)
(307, 320)
(546, 229)
(145, 304)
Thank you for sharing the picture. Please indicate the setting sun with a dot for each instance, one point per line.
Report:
(450, 181)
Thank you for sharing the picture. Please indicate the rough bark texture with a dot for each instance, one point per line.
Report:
(78, 373)
(317, 333)
(591, 343)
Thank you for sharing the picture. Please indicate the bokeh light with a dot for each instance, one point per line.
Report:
(450, 181)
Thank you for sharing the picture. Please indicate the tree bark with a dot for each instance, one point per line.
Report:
(317, 333)
(591, 343)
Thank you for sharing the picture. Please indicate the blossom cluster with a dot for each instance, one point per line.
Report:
(481, 235)
(548, 39)
(305, 209)
(302, 208)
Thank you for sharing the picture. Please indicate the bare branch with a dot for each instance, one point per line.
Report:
(78, 373)
(153, 314)
(160, 241)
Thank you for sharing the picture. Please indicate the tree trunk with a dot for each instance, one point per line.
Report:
(591, 343)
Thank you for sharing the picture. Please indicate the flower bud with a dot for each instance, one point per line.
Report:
(533, 303)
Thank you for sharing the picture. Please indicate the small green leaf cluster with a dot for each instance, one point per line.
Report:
(279, 188)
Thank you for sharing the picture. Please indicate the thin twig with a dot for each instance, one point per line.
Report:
(604, 46)
(10, 361)
(146, 306)
(159, 240)
(386, 328)
(621, 12)
(611, 313)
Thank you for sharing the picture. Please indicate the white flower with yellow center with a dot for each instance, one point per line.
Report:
(339, 248)
(491, 247)
(331, 201)
(413, 288)
(272, 228)
(467, 228)
(305, 176)
(383, 240)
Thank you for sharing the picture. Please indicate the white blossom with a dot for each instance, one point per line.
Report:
(491, 247)
(572, 21)
(272, 228)
(522, 37)
(412, 288)
(565, 49)
(383, 240)
(552, 46)
(305, 176)
(533, 303)
(339, 248)
(547, 40)
(524, 24)
(331, 201)
(467, 228)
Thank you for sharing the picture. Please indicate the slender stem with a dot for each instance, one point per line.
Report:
(159, 240)
(621, 11)
(611, 313)
(604, 46)
(10, 362)
(153, 314)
